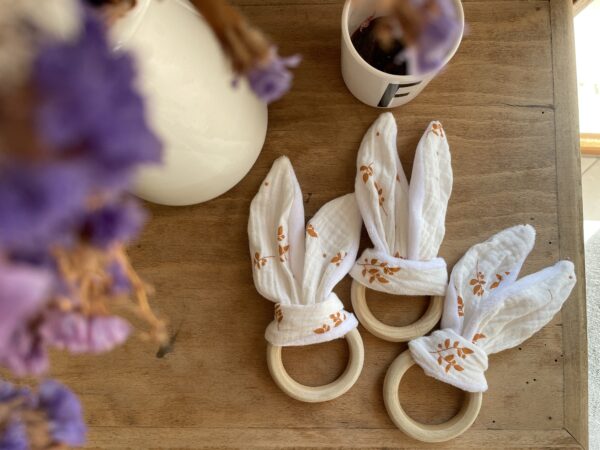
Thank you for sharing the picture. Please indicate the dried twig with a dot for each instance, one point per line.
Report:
(244, 44)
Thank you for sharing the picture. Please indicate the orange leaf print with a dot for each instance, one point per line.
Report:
(283, 250)
(323, 329)
(337, 318)
(437, 129)
(280, 235)
(311, 231)
(477, 337)
(338, 258)
(478, 282)
(375, 270)
(260, 261)
(278, 314)
(381, 196)
(367, 171)
(446, 355)
(460, 307)
(499, 279)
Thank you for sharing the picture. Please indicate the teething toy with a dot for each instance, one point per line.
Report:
(297, 269)
(405, 223)
(487, 310)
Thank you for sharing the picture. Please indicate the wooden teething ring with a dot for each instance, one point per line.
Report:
(422, 432)
(314, 394)
(388, 332)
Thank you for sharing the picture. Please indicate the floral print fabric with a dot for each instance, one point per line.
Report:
(488, 310)
(405, 222)
(297, 266)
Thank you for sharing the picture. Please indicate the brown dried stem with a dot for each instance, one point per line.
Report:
(112, 10)
(140, 289)
(243, 43)
(84, 270)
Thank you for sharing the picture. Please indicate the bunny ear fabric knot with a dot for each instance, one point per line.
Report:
(488, 310)
(297, 267)
(405, 222)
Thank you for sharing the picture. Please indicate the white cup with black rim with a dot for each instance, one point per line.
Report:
(373, 86)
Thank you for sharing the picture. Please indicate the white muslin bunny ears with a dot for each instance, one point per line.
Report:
(297, 268)
(488, 310)
(405, 222)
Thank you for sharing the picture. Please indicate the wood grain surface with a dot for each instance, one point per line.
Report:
(508, 106)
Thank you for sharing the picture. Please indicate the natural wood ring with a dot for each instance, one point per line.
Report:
(314, 394)
(422, 432)
(388, 332)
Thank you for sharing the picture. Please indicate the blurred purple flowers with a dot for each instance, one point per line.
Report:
(440, 32)
(80, 334)
(89, 106)
(116, 222)
(53, 415)
(65, 217)
(271, 79)
(23, 292)
(14, 436)
(92, 124)
(65, 417)
(410, 37)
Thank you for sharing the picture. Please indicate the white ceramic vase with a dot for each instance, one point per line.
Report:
(212, 131)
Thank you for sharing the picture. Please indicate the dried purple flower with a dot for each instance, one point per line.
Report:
(23, 293)
(271, 79)
(26, 353)
(106, 332)
(120, 282)
(65, 416)
(14, 436)
(81, 334)
(114, 223)
(38, 202)
(90, 107)
(439, 32)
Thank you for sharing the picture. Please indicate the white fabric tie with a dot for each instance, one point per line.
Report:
(488, 310)
(297, 268)
(405, 223)
(306, 324)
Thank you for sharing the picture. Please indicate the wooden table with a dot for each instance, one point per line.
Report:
(508, 104)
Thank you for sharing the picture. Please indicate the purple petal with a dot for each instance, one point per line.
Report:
(14, 436)
(120, 282)
(80, 334)
(89, 103)
(26, 354)
(65, 415)
(105, 333)
(23, 291)
(114, 223)
(272, 79)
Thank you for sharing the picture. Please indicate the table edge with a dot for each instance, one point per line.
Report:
(570, 218)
